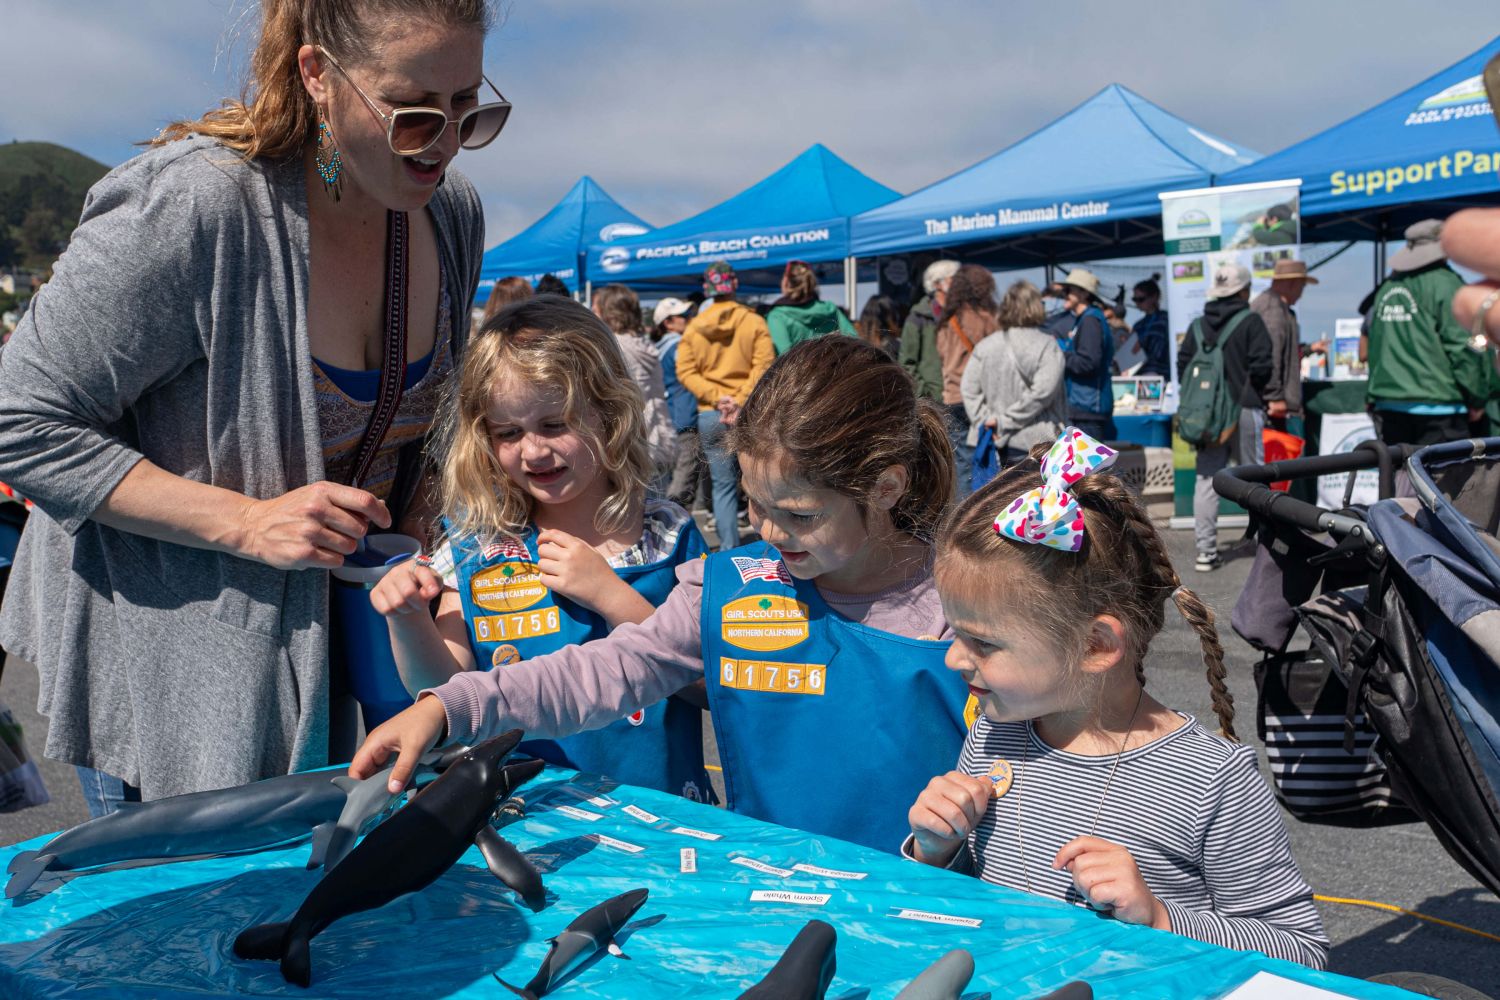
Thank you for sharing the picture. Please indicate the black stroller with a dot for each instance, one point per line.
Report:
(1408, 631)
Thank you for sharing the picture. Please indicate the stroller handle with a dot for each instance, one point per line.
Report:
(1246, 486)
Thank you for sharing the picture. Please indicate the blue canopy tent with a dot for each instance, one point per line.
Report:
(800, 212)
(1082, 188)
(1429, 150)
(555, 243)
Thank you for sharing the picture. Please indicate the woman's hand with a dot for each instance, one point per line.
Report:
(1471, 238)
(312, 527)
(574, 569)
(411, 734)
(945, 814)
(1107, 876)
(406, 587)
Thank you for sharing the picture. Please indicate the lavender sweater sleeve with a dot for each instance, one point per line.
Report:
(591, 685)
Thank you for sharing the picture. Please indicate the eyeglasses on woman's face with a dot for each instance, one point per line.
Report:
(413, 131)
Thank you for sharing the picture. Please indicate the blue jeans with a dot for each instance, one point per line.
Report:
(963, 452)
(725, 477)
(103, 793)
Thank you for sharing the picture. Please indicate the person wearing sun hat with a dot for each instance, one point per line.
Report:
(1283, 393)
(1088, 352)
(1229, 324)
(1426, 384)
(724, 351)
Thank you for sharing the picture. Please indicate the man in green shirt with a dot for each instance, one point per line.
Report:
(1426, 384)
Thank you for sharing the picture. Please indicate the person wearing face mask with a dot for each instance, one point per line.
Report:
(228, 383)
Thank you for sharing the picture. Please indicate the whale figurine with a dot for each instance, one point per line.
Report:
(406, 853)
(944, 979)
(327, 805)
(592, 931)
(804, 970)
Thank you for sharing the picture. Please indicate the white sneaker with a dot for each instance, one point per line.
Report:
(1206, 562)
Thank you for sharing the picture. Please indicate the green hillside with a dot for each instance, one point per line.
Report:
(41, 193)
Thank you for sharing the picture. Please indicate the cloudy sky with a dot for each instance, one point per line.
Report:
(673, 106)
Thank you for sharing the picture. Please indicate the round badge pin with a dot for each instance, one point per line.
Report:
(505, 655)
(1001, 775)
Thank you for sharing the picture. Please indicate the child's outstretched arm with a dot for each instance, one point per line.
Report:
(944, 815)
(427, 652)
(576, 688)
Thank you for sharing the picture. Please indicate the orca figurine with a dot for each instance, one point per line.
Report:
(590, 932)
(406, 853)
(804, 970)
(944, 979)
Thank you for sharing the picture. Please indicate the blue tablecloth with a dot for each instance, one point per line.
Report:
(166, 930)
(1150, 430)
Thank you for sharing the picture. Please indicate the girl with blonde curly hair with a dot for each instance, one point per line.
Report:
(550, 539)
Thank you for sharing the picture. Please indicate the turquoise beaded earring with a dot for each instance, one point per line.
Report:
(327, 159)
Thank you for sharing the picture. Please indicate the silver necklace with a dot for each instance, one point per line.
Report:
(1108, 781)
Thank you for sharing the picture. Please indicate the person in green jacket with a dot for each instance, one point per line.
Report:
(919, 353)
(1426, 383)
(799, 314)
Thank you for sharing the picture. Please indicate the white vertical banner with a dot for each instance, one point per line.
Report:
(1339, 434)
(1251, 224)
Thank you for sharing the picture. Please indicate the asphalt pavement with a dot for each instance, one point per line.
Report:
(1398, 865)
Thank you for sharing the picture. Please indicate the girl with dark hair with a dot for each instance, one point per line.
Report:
(251, 407)
(1075, 782)
(880, 324)
(551, 537)
(1151, 330)
(803, 638)
(506, 291)
(799, 314)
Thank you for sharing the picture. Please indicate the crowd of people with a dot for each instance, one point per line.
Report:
(930, 516)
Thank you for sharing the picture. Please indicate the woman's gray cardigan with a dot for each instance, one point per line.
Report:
(175, 328)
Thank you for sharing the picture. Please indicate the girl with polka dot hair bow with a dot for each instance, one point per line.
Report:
(1075, 782)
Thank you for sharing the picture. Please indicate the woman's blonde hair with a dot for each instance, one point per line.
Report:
(274, 117)
(1022, 306)
(801, 283)
(550, 341)
(1122, 570)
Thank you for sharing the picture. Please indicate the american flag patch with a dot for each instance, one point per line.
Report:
(762, 569)
(509, 549)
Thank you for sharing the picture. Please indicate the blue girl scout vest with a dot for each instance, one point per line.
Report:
(823, 724)
(512, 617)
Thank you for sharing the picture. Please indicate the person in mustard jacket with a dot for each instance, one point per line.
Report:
(723, 353)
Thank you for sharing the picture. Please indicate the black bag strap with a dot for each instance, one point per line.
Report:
(393, 365)
(1365, 647)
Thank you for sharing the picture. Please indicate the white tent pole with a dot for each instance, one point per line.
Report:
(851, 284)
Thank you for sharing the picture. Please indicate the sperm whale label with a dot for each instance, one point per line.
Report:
(688, 831)
(619, 845)
(937, 918)
(573, 812)
(761, 866)
(799, 898)
(829, 872)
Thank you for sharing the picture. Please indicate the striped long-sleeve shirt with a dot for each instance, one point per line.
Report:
(1190, 807)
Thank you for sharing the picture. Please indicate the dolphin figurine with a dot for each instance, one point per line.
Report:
(406, 853)
(332, 808)
(590, 932)
(944, 979)
(1076, 990)
(804, 970)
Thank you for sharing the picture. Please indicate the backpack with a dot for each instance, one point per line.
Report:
(1208, 411)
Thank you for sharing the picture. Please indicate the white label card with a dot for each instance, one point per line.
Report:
(829, 872)
(937, 918)
(636, 812)
(689, 859)
(618, 845)
(761, 866)
(700, 834)
(593, 800)
(576, 813)
(800, 898)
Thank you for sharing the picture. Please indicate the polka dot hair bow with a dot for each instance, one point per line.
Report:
(1048, 515)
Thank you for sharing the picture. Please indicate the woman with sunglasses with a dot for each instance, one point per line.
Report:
(1151, 329)
(226, 385)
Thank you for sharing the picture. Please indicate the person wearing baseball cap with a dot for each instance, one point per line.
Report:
(1283, 393)
(1426, 383)
(1088, 355)
(723, 353)
(1231, 326)
(671, 318)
